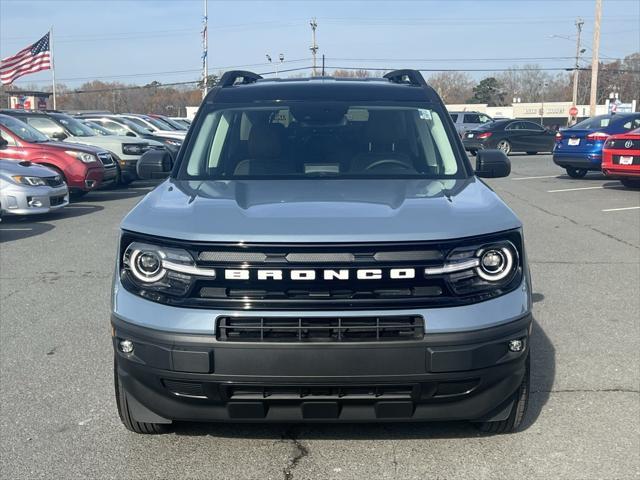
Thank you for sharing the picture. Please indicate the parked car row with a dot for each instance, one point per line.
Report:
(610, 143)
(607, 143)
(86, 151)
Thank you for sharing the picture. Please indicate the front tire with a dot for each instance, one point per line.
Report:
(125, 414)
(505, 146)
(518, 410)
(630, 182)
(576, 172)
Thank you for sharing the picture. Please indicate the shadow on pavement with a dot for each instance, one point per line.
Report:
(14, 228)
(542, 379)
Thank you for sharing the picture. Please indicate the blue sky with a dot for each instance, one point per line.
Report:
(134, 41)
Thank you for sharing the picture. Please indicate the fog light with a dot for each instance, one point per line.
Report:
(126, 346)
(514, 345)
(35, 203)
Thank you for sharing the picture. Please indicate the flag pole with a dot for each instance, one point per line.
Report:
(53, 68)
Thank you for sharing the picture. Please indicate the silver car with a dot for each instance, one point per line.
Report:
(464, 121)
(27, 189)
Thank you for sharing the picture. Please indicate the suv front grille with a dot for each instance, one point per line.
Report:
(106, 159)
(54, 181)
(320, 329)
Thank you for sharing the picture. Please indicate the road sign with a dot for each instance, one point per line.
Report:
(573, 111)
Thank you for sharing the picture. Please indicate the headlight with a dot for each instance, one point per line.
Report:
(478, 268)
(32, 181)
(134, 148)
(82, 156)
(160, 269)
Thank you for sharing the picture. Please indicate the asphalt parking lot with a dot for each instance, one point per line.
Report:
(58, 416)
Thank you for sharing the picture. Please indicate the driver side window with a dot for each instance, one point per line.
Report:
(10, 140)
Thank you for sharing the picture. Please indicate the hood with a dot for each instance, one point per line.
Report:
(110, 142)
(320, 210)
(69, 146)
(11, 167)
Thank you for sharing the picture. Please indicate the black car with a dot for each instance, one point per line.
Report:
(510, 136)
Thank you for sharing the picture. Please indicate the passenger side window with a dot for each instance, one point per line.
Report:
(514, 126)
(454, 117)
(44, 125)
(532, 126)
(472, 118)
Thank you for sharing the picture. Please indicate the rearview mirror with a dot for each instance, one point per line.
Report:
(492, 164)
(154, 164)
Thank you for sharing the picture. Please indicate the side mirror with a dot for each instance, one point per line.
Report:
(154, 164)
(59, 135)
(3, 143)
(492, 164)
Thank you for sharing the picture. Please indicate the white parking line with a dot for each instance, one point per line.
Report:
(533, 178)
(575, 189)
(620, 209)
(14, 229)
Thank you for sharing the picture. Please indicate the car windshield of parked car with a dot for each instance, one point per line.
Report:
(140, 123)
(321, 139)
(98, 129)
(22, 130)
(76, 128)
(159, 124)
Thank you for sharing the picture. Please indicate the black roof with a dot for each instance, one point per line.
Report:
(407, 85)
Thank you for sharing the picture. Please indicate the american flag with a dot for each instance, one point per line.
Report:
(32, 59)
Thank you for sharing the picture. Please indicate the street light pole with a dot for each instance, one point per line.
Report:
(205, 52)
(595, 59)
(576, 70)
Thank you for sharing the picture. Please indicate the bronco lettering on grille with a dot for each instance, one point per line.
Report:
(310, 274)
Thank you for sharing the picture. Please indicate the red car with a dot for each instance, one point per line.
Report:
(621, 158)
(83, 168)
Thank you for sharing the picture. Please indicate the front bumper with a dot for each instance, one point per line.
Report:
(457, 376)
(25, 200)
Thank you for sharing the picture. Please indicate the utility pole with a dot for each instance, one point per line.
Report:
(576, 70)
(595, 59)
(205, 53)
(314, 45)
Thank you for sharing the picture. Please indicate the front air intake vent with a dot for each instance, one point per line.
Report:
(320, 329)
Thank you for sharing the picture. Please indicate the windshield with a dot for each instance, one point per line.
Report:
(159, 124)
(97, 128)
(22, 130)
(173, 124)
(314, 139)
(76, 128)
(138, 121)
(139, 129)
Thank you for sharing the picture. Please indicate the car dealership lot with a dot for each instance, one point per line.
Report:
(58, 417)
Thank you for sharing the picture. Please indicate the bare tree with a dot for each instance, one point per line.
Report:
(453, 87)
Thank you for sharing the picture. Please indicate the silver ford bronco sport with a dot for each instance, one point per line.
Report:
(322, 251)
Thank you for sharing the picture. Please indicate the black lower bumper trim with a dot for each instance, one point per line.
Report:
(443, 377)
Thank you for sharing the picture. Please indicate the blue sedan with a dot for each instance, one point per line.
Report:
(579, 149)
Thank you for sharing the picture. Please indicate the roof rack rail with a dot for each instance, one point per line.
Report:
(412, 77)
(229, 78)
